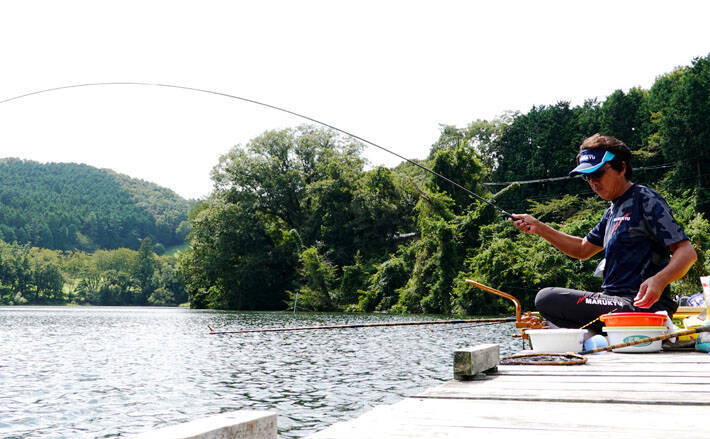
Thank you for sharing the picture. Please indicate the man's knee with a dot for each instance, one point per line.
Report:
(545, 297)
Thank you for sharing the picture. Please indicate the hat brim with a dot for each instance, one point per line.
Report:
(586, 168)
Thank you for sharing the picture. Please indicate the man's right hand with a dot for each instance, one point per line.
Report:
(573, 246)
(525, 223)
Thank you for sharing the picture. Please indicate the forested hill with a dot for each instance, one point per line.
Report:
(68, 206)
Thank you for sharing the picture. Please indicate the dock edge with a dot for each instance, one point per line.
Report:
(240, 424)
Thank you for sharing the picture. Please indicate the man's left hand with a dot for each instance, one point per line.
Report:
(649, 292)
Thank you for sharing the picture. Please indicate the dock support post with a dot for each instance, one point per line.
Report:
(472, 361)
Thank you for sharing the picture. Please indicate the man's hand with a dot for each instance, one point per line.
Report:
(683, 258)
(649, 292)
(525, 223)
(573, 246)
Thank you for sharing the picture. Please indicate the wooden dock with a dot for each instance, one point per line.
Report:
(655, 395)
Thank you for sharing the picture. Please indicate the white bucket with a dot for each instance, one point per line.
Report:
(626, 334)
(556, 340)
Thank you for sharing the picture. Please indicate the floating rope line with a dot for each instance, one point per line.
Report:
(478, 325)
(365, 325)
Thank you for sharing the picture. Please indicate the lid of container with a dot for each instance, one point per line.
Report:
(603, 317)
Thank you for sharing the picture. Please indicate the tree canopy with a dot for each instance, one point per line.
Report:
(35, 276)
(290, 198)
(296, 217)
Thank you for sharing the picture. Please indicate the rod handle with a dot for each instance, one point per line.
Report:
(647, 340)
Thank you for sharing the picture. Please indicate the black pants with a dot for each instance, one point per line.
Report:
(568, 308)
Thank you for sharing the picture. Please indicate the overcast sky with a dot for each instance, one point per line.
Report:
(390, 72)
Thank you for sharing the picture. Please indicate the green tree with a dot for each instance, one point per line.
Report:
(284, 189)
(460, 163)
(680, 102)
(382, 293)
(237, 260)
(540, 144)
(320, 282)
(145, 270)
(48, 282)
(626, 116)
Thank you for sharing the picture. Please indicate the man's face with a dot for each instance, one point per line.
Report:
(607, 182)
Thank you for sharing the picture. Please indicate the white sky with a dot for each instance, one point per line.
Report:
(388, 71)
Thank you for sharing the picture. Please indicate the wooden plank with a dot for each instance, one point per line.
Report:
(620, 373)
(574, 392)
(482, 387)
(453, 419)
(655, 357)
(618, 369)
(687, 364)
(600, 380)
(598, 396)
(627, 370)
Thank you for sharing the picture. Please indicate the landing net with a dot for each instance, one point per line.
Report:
(544, 359)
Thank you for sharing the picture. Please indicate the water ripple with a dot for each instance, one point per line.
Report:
(95, 372)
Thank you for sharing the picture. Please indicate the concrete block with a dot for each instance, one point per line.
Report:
(240, 424)
(471, 361)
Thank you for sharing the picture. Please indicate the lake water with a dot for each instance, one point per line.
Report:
(100, 372)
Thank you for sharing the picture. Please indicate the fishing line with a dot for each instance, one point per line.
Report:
(273, 107)
(547, 180)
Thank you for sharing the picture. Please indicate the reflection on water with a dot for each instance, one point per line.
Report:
(75, 372)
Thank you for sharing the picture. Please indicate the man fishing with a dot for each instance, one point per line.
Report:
(637, 233)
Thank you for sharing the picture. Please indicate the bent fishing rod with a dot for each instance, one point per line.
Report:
(366, 325)
(649, 340)
(273, 107)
